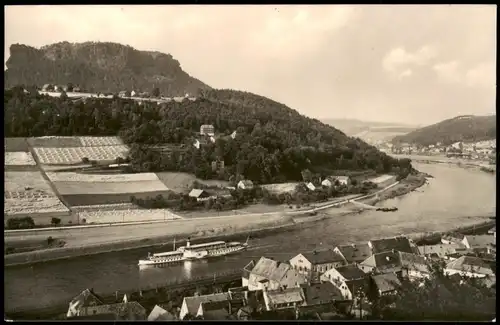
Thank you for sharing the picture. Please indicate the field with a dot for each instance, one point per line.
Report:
(181, 182)
(74, 155)
(75, 188)
(111, 178)
(280, 188)
(19, 158)
(28, 194)
(69, 142)
(15, 144)
(131, 215)
(104, 207)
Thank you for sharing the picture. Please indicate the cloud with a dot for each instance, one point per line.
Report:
(399, 58)
(362, 62)
(449, 72)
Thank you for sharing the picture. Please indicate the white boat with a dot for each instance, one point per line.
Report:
(194, 252)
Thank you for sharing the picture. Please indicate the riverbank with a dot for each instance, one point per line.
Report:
(205, 229)
(459, 162)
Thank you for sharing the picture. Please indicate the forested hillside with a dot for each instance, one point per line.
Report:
(273, 143)
(462, 128)
(99, 67)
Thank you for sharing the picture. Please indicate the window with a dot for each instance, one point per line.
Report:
(300, 268)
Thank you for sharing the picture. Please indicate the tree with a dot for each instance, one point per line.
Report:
(85, 160)
(307, 176)
(155, 92)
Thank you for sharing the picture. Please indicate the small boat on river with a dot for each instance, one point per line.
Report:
(387, 209)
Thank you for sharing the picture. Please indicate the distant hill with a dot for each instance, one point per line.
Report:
(98, 67)
(371, 132)
(466, 128)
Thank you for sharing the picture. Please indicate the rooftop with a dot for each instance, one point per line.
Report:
(123, 311)
(354, 253)
(386, 282)
(400, 243)
(289, 295)
(441, 250)
(194, 302)
(322, 293)
(351, 272)
(270, 269)
(322, 257)
(481, 241)
(471, 264)
(160, 314)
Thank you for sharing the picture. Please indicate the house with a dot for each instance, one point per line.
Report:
(354, 253)
(455, 238)
(320, 297)
(128, 311)
(47, 87)
(493, 231)
(284, 298)
(480, 243)
(220, 310)
(233, 135)
(395, 262)
(329, 181)
(247, 269)
(191, 305)
(86, 298)
(160, 313)
(400, 243)
(269, 274)
(122, 94)
(207, 129)
(348, 279)
(414, 267)
(313, 264)
(441, 251)
(384, 284)
(199, 195)
(311, 186)
(470, 266)
(344, 180)
(245, 184)
(133, 93)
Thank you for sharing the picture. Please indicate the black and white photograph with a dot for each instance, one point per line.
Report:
(250, 162)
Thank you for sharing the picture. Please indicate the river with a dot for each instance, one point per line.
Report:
(454, 197)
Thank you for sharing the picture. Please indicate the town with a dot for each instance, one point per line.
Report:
(351, 281)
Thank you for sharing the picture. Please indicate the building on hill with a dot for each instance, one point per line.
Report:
(470, 266)
(207, 129)
(199, 195)
(399, 243)
(349, 279)
(191, 305)
(124, 311)
(344, 180)
(334, 180)
(85, 299)
(455, 238)
(383, 285)
(284, 299)
(383, 180)
(245, 184)
(313, 264)
(269, 274)
(220, 310)
(441, 251)
(311, 186)
(247, 269)
(354, 253)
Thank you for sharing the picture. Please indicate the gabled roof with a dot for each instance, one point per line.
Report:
(193, 303)
(386, 282)
(383, 261)
(196, 192)
(220, 310)
(355, 252)
(413, 262)
(160, 314)
(492, 230)
(343, 178)
(322, 293)
(471, 264)
(270, 269)
(441, 250)
(400, 243)
(324, 256)
(131, 310)
(351, 272)
(289, 295)
(481, 241)
(86, 298)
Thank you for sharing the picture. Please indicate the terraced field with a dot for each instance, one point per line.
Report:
(69, 142)
(19, 158)
(29, 194)
(111, 178)
(74, 155)
(97, 188)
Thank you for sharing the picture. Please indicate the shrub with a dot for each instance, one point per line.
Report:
(84, 220)
(20, 223)
(55, 221)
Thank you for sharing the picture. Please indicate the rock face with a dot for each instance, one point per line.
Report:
(99, 67)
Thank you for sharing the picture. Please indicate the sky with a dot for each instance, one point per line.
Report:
(403, 64)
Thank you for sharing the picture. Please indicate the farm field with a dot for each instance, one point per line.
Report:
(181, 182)
(111, 178)
(19, 158)
(74, 155)
(281, 188)
(72, 188)
(104, 207)
(78, 141)
(15, 144)
(28, 194)
(132, 215)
